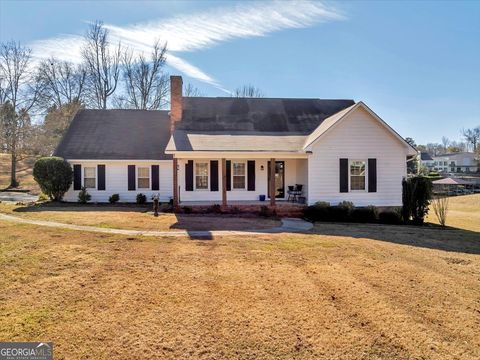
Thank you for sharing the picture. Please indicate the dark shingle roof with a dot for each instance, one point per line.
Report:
(257, 115)
(116, 135)
(425, 156)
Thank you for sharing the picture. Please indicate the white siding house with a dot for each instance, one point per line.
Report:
(232, 151)
(116, 180)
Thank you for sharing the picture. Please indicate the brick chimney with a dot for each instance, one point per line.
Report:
(176, 100)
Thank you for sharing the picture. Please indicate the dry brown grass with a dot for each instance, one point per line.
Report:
(346, 292)
(24, 173)
(134, 218)
(463, 212)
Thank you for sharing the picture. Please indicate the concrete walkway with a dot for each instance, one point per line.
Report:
(288, 225)
(14, 196)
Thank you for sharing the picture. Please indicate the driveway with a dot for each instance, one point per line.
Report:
(14, 196)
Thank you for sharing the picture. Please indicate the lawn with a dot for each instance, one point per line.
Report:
(464, 212)
(134, 218)
(24, 173)
(342, 292)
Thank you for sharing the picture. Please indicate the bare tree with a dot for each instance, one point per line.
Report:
(61, 83)
(440, 207)
(445, 143)
(472, 136)
(434, 148)
(102, 64)
(248, 91)
(146, 84)
(191, 91)
(18, 96)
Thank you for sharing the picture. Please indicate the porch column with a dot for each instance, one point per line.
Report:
(175, 182)
(224, 182)
(272, 182)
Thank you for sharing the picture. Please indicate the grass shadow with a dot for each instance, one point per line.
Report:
(429, 236)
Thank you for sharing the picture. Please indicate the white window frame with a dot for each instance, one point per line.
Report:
(244, 176)
(95, 176)
(350, 175)
(196, 162)
(149, 177)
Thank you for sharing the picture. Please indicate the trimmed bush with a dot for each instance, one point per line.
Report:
(141, 199)
(390, 217)
(320, 211)
(84, 196)
(416, 196)
(187, 209)
(215, 209)
(363, 215)
(114, 198)
(54, 175)
(342, 211)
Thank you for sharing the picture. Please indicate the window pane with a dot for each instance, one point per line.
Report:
(89, 182)
(143, 172)
(143, 183)
(357, 168)
(357, 182)
(238, 168)
(201, 169)
(201, 182)
(239, 182)
(89, 172)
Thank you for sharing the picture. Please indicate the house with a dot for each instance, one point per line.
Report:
(236, 150)
(461, 162)
(425, 160)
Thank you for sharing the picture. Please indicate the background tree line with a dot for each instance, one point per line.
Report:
(109, 75)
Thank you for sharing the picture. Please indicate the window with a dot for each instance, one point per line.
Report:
(143, 175)
(89, 180)
(238, 175)
(357, 175)
(201, 175)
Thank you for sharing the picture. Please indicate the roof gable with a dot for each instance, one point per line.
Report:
(328, 124)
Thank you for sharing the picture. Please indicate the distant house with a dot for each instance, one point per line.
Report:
(237, 150)
(462, 162)
(426, 160)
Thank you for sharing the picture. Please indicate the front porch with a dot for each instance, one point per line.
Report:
(241, 180)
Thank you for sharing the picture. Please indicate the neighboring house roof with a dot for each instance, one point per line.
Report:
(250, 124)
(116, 135)
(451, 181)
(464, 153)
(425, 156)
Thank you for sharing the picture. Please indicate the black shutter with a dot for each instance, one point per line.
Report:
(229, 174)
(155, 177)
(372, 175)
(189, 175)
(77, 177)
(251, 175)
(343, 175)
(131, 177)
(213, 175)
(101, 177)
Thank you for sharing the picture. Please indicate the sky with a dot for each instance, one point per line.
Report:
(416, 64)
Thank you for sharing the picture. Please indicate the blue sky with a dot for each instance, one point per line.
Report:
(417, 64)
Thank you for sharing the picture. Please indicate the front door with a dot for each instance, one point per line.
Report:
(279, 179)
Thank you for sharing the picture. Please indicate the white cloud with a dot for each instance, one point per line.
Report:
(201, 30)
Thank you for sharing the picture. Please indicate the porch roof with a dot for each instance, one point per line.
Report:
(222, 141)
